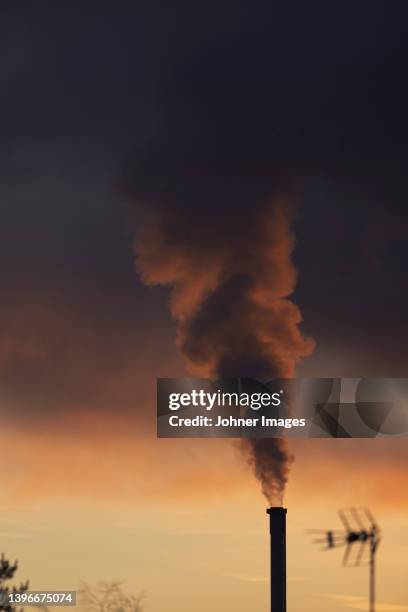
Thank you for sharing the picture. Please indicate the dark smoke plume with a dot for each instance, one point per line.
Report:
(271, 461)
(224, 246)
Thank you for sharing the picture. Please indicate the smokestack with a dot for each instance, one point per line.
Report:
(277, 528)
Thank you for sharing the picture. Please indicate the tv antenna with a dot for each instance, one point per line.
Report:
(360, 528)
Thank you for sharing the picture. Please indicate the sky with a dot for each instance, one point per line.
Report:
(103, 106)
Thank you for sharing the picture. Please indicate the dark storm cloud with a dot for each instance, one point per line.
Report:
(312, 89)
(275, 94)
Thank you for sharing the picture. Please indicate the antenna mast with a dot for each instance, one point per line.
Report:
(359, 527)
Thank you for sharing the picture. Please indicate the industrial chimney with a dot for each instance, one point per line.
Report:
(277, 527)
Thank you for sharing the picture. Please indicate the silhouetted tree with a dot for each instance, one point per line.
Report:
(109, 597)
(7, 571)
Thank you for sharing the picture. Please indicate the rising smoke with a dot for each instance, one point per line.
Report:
(223, 244)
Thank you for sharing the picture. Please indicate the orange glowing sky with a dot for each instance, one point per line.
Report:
(91, 494)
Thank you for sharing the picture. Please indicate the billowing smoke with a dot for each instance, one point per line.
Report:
(271, 461)
(223, 244)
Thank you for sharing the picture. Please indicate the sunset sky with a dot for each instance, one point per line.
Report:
(102, 105)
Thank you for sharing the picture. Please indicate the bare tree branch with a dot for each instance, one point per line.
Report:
(109, 597)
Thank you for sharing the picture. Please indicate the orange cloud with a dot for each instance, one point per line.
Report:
(87, 456)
